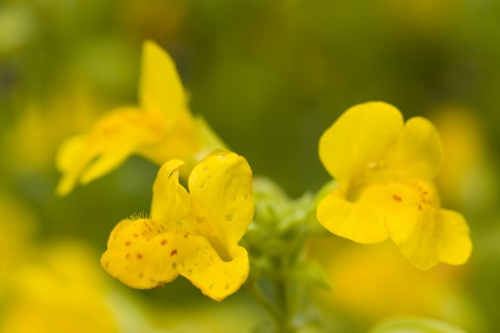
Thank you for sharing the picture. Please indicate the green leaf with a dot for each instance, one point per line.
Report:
(415, 325)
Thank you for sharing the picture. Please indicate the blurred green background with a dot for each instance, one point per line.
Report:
(269, 76)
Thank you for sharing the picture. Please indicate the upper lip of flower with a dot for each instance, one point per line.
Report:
(385, 170)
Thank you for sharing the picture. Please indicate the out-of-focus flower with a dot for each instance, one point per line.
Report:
(385, 170)
(32, 140)
(466, 179)
(58, 291)
(370, 283)
(160, 129)
(16, 228)
(194, 234)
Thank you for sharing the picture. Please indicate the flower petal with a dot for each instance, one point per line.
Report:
(160, 89)
(412, 212)
(210, 141)
(70, 163)
(206, 270)
(141, 254)
(221, 189)
(418, 151)
(353, 220)
(358, 138)
(180, 142)
(171, 203)
(109, 143)
(454, 244)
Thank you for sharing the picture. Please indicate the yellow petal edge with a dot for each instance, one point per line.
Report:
(386, 170)
(194, 234)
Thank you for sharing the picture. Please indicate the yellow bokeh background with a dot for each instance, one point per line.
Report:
(269, 77)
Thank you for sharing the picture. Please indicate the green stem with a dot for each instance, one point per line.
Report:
(281, 291)
(267, 305)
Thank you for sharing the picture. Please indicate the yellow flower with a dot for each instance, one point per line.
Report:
(69, 294)
(161, 128)
(385, 170)
(370, 283)
(194, 234)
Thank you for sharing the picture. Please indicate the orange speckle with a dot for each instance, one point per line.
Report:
(163, 242)
(139, 256)
(136, 235)
(174, 252)
(127, 256)
(397, 198)
(127, 243)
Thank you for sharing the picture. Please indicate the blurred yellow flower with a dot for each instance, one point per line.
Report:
(17, 226)
(467, 179)
(385, 170)
(59, 291)
(194, 234)
(370, 283)
(161, 128)
(32, 139)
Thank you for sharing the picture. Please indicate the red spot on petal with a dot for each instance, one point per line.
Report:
(397, 198)
(174, 252)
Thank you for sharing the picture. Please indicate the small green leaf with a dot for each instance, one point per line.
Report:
(415, 325)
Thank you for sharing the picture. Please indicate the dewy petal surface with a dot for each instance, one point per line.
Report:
(160, 91)
(221, 189)
(358, 138)
(142, 254)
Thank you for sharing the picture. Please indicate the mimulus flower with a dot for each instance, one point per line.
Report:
(385, 170)
(160, 129)
(194, 234)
